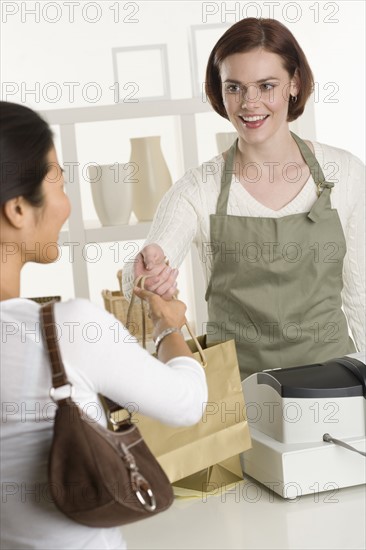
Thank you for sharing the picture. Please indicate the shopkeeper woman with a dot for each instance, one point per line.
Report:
(281, 239)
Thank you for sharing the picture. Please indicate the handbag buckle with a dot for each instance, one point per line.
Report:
(124, 418)
(139, 484)
(150, 507)
(56, 399)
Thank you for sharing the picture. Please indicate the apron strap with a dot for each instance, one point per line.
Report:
(227, 174)
(323, 187)
(320, 205)
(314, 166)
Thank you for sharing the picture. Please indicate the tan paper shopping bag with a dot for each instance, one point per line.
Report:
(197, 456)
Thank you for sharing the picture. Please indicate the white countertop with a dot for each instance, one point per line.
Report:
(252, 517)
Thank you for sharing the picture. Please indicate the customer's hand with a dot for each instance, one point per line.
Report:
(163, 313)
(161, 278)
(166, 314)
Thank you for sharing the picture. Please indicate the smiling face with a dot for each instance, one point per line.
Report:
(256, 90)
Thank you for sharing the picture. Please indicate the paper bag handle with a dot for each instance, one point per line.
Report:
(140, 281)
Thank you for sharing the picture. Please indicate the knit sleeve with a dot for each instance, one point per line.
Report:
(174, 226)
(353, 294)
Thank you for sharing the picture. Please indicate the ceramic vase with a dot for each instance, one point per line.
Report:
(224, 140)
(112, 187)
(151, 176)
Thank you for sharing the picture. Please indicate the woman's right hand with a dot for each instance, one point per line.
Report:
(160, 277)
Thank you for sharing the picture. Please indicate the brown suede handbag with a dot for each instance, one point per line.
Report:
(98, 477)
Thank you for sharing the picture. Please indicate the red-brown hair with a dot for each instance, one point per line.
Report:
(271, 35)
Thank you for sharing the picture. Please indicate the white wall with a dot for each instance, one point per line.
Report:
(37, 52)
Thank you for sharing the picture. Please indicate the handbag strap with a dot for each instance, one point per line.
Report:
(59, 377)
(140, 282)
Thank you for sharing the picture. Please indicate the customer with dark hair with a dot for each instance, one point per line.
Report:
(171, 388)
(282, 245)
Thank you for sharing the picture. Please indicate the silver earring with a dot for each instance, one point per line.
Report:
(293, 98)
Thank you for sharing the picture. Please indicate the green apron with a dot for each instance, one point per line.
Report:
(276, 283)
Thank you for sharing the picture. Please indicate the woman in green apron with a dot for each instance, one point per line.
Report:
(271, 228)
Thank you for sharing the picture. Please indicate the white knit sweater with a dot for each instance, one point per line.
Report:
(183, 217)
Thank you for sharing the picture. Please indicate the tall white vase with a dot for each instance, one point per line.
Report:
(151, 178)
(112, 186)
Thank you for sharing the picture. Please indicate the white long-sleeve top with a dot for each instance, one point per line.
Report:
(100, 356)
(183, 217)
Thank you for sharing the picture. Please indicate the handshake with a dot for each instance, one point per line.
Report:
(161, 279)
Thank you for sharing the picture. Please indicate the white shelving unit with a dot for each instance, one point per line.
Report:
(83, 232)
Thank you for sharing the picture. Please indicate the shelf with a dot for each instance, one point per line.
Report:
(142, 109)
